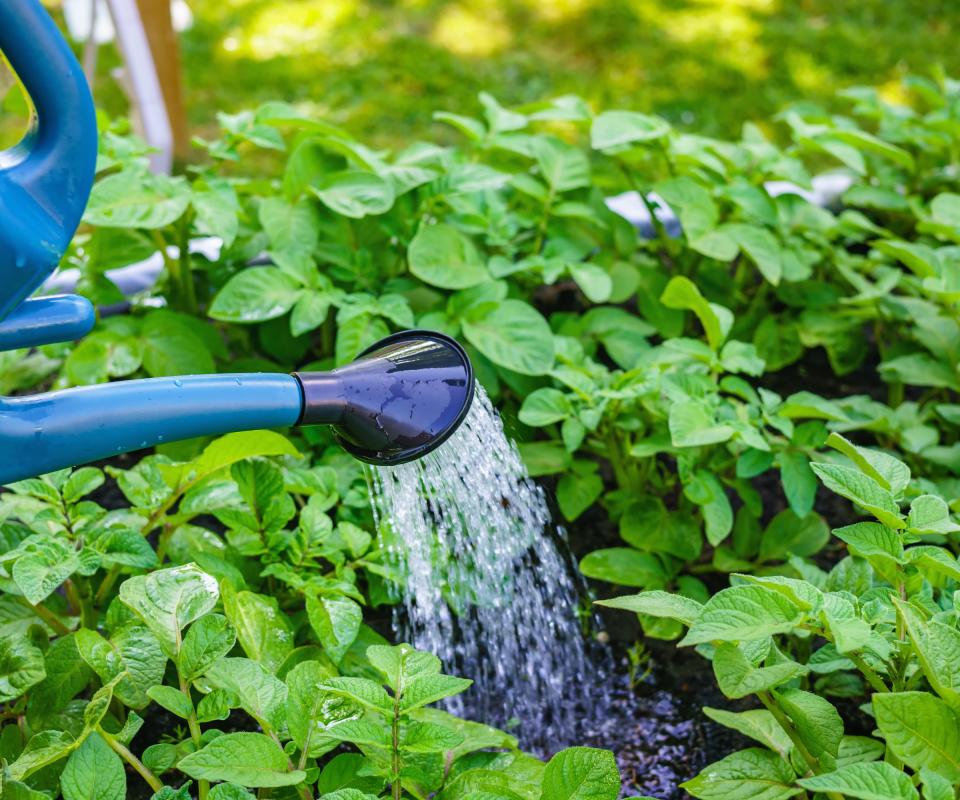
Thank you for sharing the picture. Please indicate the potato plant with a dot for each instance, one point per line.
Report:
(881, 623)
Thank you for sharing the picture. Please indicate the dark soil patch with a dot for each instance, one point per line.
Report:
(657, 730)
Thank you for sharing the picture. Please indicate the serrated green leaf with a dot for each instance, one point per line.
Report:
(874, 781)
(249, 759)
(744, 613)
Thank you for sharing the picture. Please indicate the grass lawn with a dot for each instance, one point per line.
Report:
(381, 67)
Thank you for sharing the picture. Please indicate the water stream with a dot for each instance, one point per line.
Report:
(488, 589)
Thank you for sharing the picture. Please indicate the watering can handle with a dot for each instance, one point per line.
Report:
(45, 180)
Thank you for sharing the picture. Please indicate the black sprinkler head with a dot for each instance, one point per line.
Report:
(403, 397)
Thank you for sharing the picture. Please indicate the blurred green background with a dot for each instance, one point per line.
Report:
(382, 67)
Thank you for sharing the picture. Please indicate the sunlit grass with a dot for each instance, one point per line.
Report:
(472, 30)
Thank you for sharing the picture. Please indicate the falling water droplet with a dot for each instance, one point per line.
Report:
(177, 382)
(472, 529)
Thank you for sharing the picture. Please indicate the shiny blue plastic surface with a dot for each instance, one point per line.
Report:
(45, 320)
(46, 432)
(46, 179)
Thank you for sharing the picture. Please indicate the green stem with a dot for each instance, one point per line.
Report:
(396, 788)
(202, 786)
(47, 616)
(784, 721)
(872, 677)
(106, 585)
(137, 765)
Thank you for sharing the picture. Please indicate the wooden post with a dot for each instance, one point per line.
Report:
(158, 26)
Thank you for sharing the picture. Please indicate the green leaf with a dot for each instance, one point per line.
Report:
(67, 675)
(594, 281)
(133, 651)
(935, 786)
(135, 199)
(693, 424)
(401, 664)
(616, 130)
(758, 723)
(694, 208)
(744, 613)
(173, 700)
(657, 603)
(545, 407)
(876, 781)
(889, 472)
(44, 748)
(938, 650)
(761, 247)
(170, 599)
(336, 621)
(862, 490)
(229, 791)
(706, 491)
(260, 694)
(873, 541)
(356, 334)
(563, 166)
(21, 667)
(576, 493)
(355, 194)
(262, 628)
(249, 759)
(920, 730)
(581, 773)
(513, 335)
(442, 256)
(930, 514)
(427, 737)
(787, 534)
(209, 638)
(255, 294)
(682, 293)
(228, 450)
(81, 482)
(624, 566)
(750, 774)
(649, 525)
(214, 706)
(311, 710)
(816, 721)
(799, 482)
(426, 689)
(293, 230)
(738, 677)
(94, 772)
(363, 691)
(41, 570)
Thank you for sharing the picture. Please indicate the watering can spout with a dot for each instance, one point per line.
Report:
(401, 399)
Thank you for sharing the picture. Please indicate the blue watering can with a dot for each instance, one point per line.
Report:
(399, 400)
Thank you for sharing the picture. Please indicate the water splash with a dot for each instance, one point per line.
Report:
(487, 588)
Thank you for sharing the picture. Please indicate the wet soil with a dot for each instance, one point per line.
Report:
(657, 730)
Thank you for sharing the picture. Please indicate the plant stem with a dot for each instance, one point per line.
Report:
(47, 616)
(395, 787)
(202, 786)
(784, 721)
(872, 678)
(132, 760)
